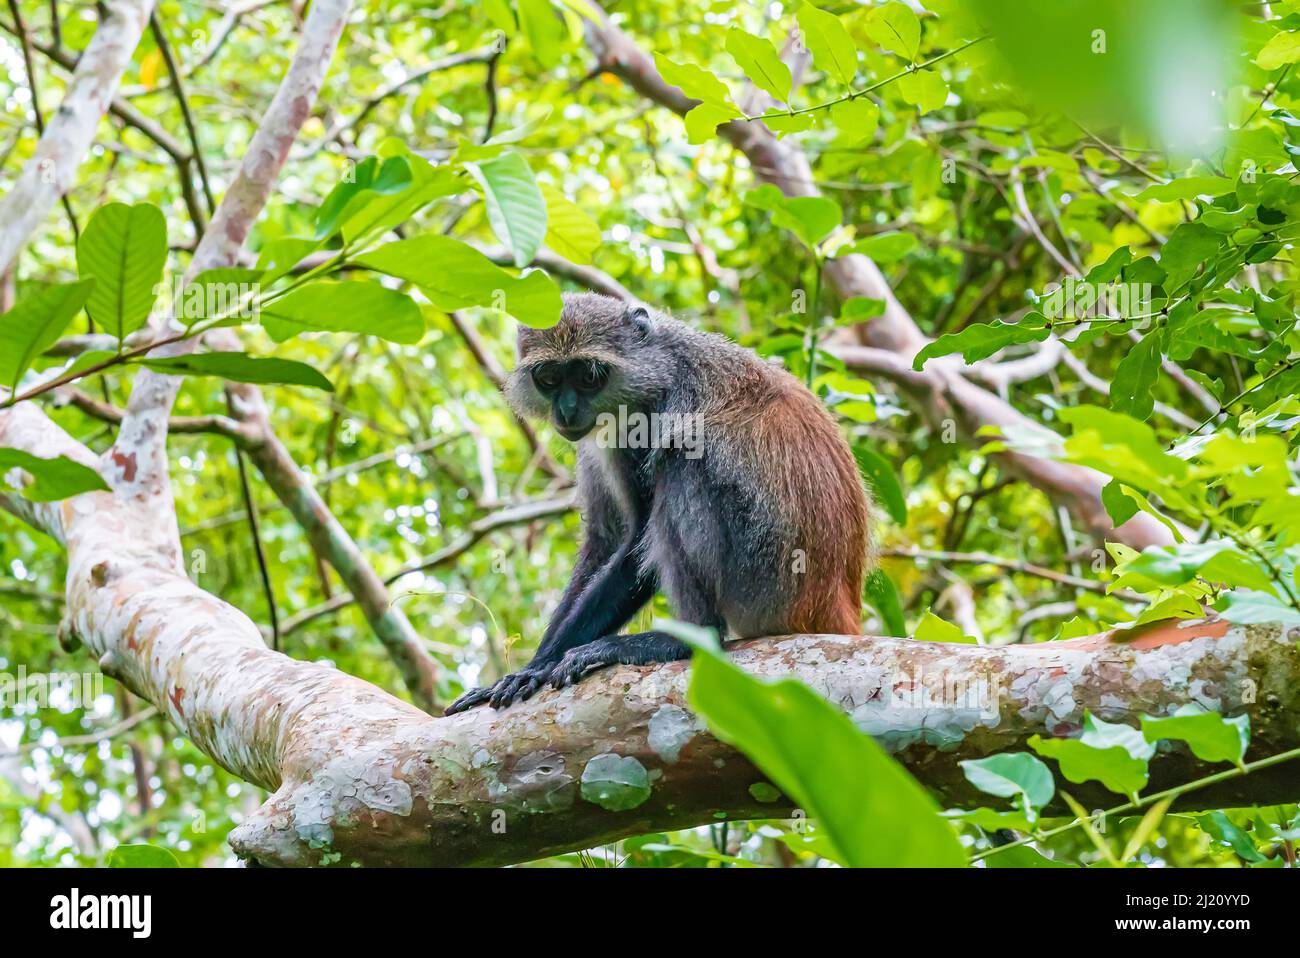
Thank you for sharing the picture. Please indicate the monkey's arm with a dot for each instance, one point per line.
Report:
(604, 592)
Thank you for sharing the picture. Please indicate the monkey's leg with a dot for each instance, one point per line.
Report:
(640, 648)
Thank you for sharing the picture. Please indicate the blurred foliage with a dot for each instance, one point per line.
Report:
(982, 157)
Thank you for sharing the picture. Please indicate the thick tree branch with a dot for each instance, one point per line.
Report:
(360, 777)
(52, 170)
(969, 406)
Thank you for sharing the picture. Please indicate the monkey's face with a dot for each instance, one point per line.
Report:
(598, 358)
(572, 387)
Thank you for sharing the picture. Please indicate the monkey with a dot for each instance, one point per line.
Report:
(757, 525)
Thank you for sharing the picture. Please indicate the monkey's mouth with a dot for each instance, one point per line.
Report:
(573, 433)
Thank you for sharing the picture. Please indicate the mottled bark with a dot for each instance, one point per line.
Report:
(52, 170)
(946, 394)
(139, 458)
(359, 777)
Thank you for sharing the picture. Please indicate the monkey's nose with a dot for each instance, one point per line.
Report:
(566, 407)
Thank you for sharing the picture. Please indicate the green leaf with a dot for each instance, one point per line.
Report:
(1186, 188)
(1135, 377)
(811, 218)
(856, 119)
(229, 292)
(758, 57)
(371, 178)
(859, 309)
(1218, 826)
(52, 479)
(934, 629)
(880, 592)
(1210, 736)
(884, 481)
(1112, 754)
(544, 29)
(1281, 49)
(1249, 607)
(1121, 446)
(515, 206)
(1189, 245)
(123, 248)
(35, 324)
(981, 340)
(884, 247)
(347, 307)
(702, 121)
(1009, 774)
(1022, 856)
(141, 856)
(872, 811)
(829, 43)
(1119, 506)
(894, 26)
(454, 275)
(278, 257)
(241, 368)
(1216, 561)
(694, 81)
(924, 89)
(569, 231)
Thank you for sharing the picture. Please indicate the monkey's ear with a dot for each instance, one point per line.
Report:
(639, 316)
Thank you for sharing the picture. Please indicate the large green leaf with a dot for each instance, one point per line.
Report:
(895, 27)
(872, 811)
(349, 307)
(53, 479)
(241, 368)
(454, 275)
(123, 248)
(1210, 736)
(227, 293)
(141, 856)
(1218, 561)
(369, 179)
(829, 43)
(1135, 377)
(931, 628)
(1113, 754)
(515, 206)
(811, 218)
(545, 30)
(1252, 607)
(925, 89)
(1008, 774)
(34, 324)
(981, 340)
(569, 231)
(758, 57)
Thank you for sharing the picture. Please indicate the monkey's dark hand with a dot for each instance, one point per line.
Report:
(515, 687)
(580, 662)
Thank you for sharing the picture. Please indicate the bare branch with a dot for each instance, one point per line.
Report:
(517, 514)
(52, 170)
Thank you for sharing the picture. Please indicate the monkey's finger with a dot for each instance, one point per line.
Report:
(505, 690)
(467, 701)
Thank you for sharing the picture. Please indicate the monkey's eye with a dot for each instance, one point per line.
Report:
(592, 376)
(546, 378)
